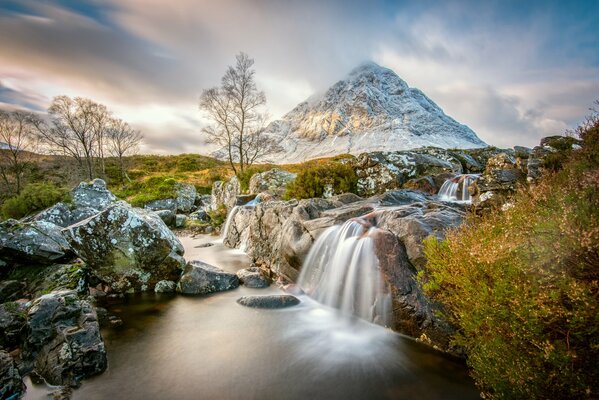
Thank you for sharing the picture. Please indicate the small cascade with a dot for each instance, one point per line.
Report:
(341, 271)
(456, 188)
(228, 221)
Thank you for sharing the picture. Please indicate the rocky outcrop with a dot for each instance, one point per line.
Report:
(64, 338)
(225, 193)
(379, 172)
(499, 181)
(32, 242)
(93, 195)
(202, 278)
(63, 214)
(129, 249)
(273, 181)
(11, 385)
(269, 301)
(252, 277)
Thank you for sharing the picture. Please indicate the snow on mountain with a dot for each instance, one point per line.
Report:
(373, 109)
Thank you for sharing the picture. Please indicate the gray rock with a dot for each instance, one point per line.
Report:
(186, 197)
(203, 201)
(11, 290)
(64, 338)
(180, 220)
(165, 287)
(274, 181)
(127, 248)
(167, 216)
(94, 195)
(11, 385)
(162, 204)
(253, 278)
(32, 242)
(63, 214)
(225, 193)
(199, 215)
(498, 183)
(12, 323)
(269, 301)
(202, 278)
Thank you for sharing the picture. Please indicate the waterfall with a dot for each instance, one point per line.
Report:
(341, 271)
(228, 221)
(456, 188)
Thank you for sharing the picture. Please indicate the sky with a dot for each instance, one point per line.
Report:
(513, 71)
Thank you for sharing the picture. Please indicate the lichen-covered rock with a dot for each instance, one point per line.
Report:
(253, 277)
(225, 193)
(162, 204)
(165, 287)
(129, 249)
(63, 214)
(64, 338)
(186, 197)
(202, 278)
(199, 215)
(94, 195)
(499, 181)
(167, 216)
(180, 220)
(11, 385)
(379, 172)
(273, 181)
(269, 301)
(32, 242)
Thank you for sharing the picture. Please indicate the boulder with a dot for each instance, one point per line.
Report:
(162, 204)
(36, 280)
(199, 215)
(94, 195)
(11, 385)
(274, 181)
(253, 278)
(32, 242)
(167, 216)
(129, 249)
(379, 172)
(203, 201)
(186, 197)
(180, 220)
(165, 287)
(225, 193)
(499, 181)
(63, 214)
(202, 278)
(270, 301)
(64, 338)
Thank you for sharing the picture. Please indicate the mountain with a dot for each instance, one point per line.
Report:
(372, 109)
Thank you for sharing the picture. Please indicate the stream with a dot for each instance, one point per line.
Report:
(210, 347)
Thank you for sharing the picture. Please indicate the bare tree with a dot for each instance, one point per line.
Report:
(236, 109)
(102, 121)
(17, 132)
(122, 140)
(72, 130)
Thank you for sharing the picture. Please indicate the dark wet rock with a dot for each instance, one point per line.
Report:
(253, 278)
(12, 324)
(11, 384)
(274, 182)
(165, 287)
(225, 193)
(11, 290)
(32, 242)
(63, 214)
(93, 195)
(201, 278)
(64, 338)
(402, 197)
(127, 248)
(270, 301)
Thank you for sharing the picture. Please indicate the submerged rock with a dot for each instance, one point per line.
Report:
(64, 338)
(253, 278)
(269, 301)
(202, 278)
(32, 242)
(129, 249)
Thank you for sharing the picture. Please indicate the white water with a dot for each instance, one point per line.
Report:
(228, 221)
(341, 271)
(456, 189)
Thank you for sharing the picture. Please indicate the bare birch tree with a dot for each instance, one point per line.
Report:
(17, 132)
(122, 140)
(237, 111)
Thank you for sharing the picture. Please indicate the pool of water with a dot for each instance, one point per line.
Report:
(210, 347)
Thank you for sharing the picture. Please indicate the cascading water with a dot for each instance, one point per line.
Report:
(341, 271)
(456, 188)
(228, 221)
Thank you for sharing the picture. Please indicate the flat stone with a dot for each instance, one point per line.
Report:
(270, 301)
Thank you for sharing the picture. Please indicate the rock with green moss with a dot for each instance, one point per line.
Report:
(129, 249)
(12, 324)
(32, 242)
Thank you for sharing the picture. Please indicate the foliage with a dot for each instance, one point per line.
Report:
(34, 197)
(245, 176)
(218, 216)
(157, 187)
(313, 181)
(522, 285)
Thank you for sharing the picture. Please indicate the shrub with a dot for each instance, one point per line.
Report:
(154, 188)
(313, 181)
(521, 286)
(245, 176)
(34, 197)
(218, 216)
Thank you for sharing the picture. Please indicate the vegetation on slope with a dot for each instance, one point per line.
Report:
(521, 285)
(34, 197)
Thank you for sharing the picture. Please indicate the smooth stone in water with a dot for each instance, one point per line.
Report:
(202, 278)
(253, 278)
(269, 301)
